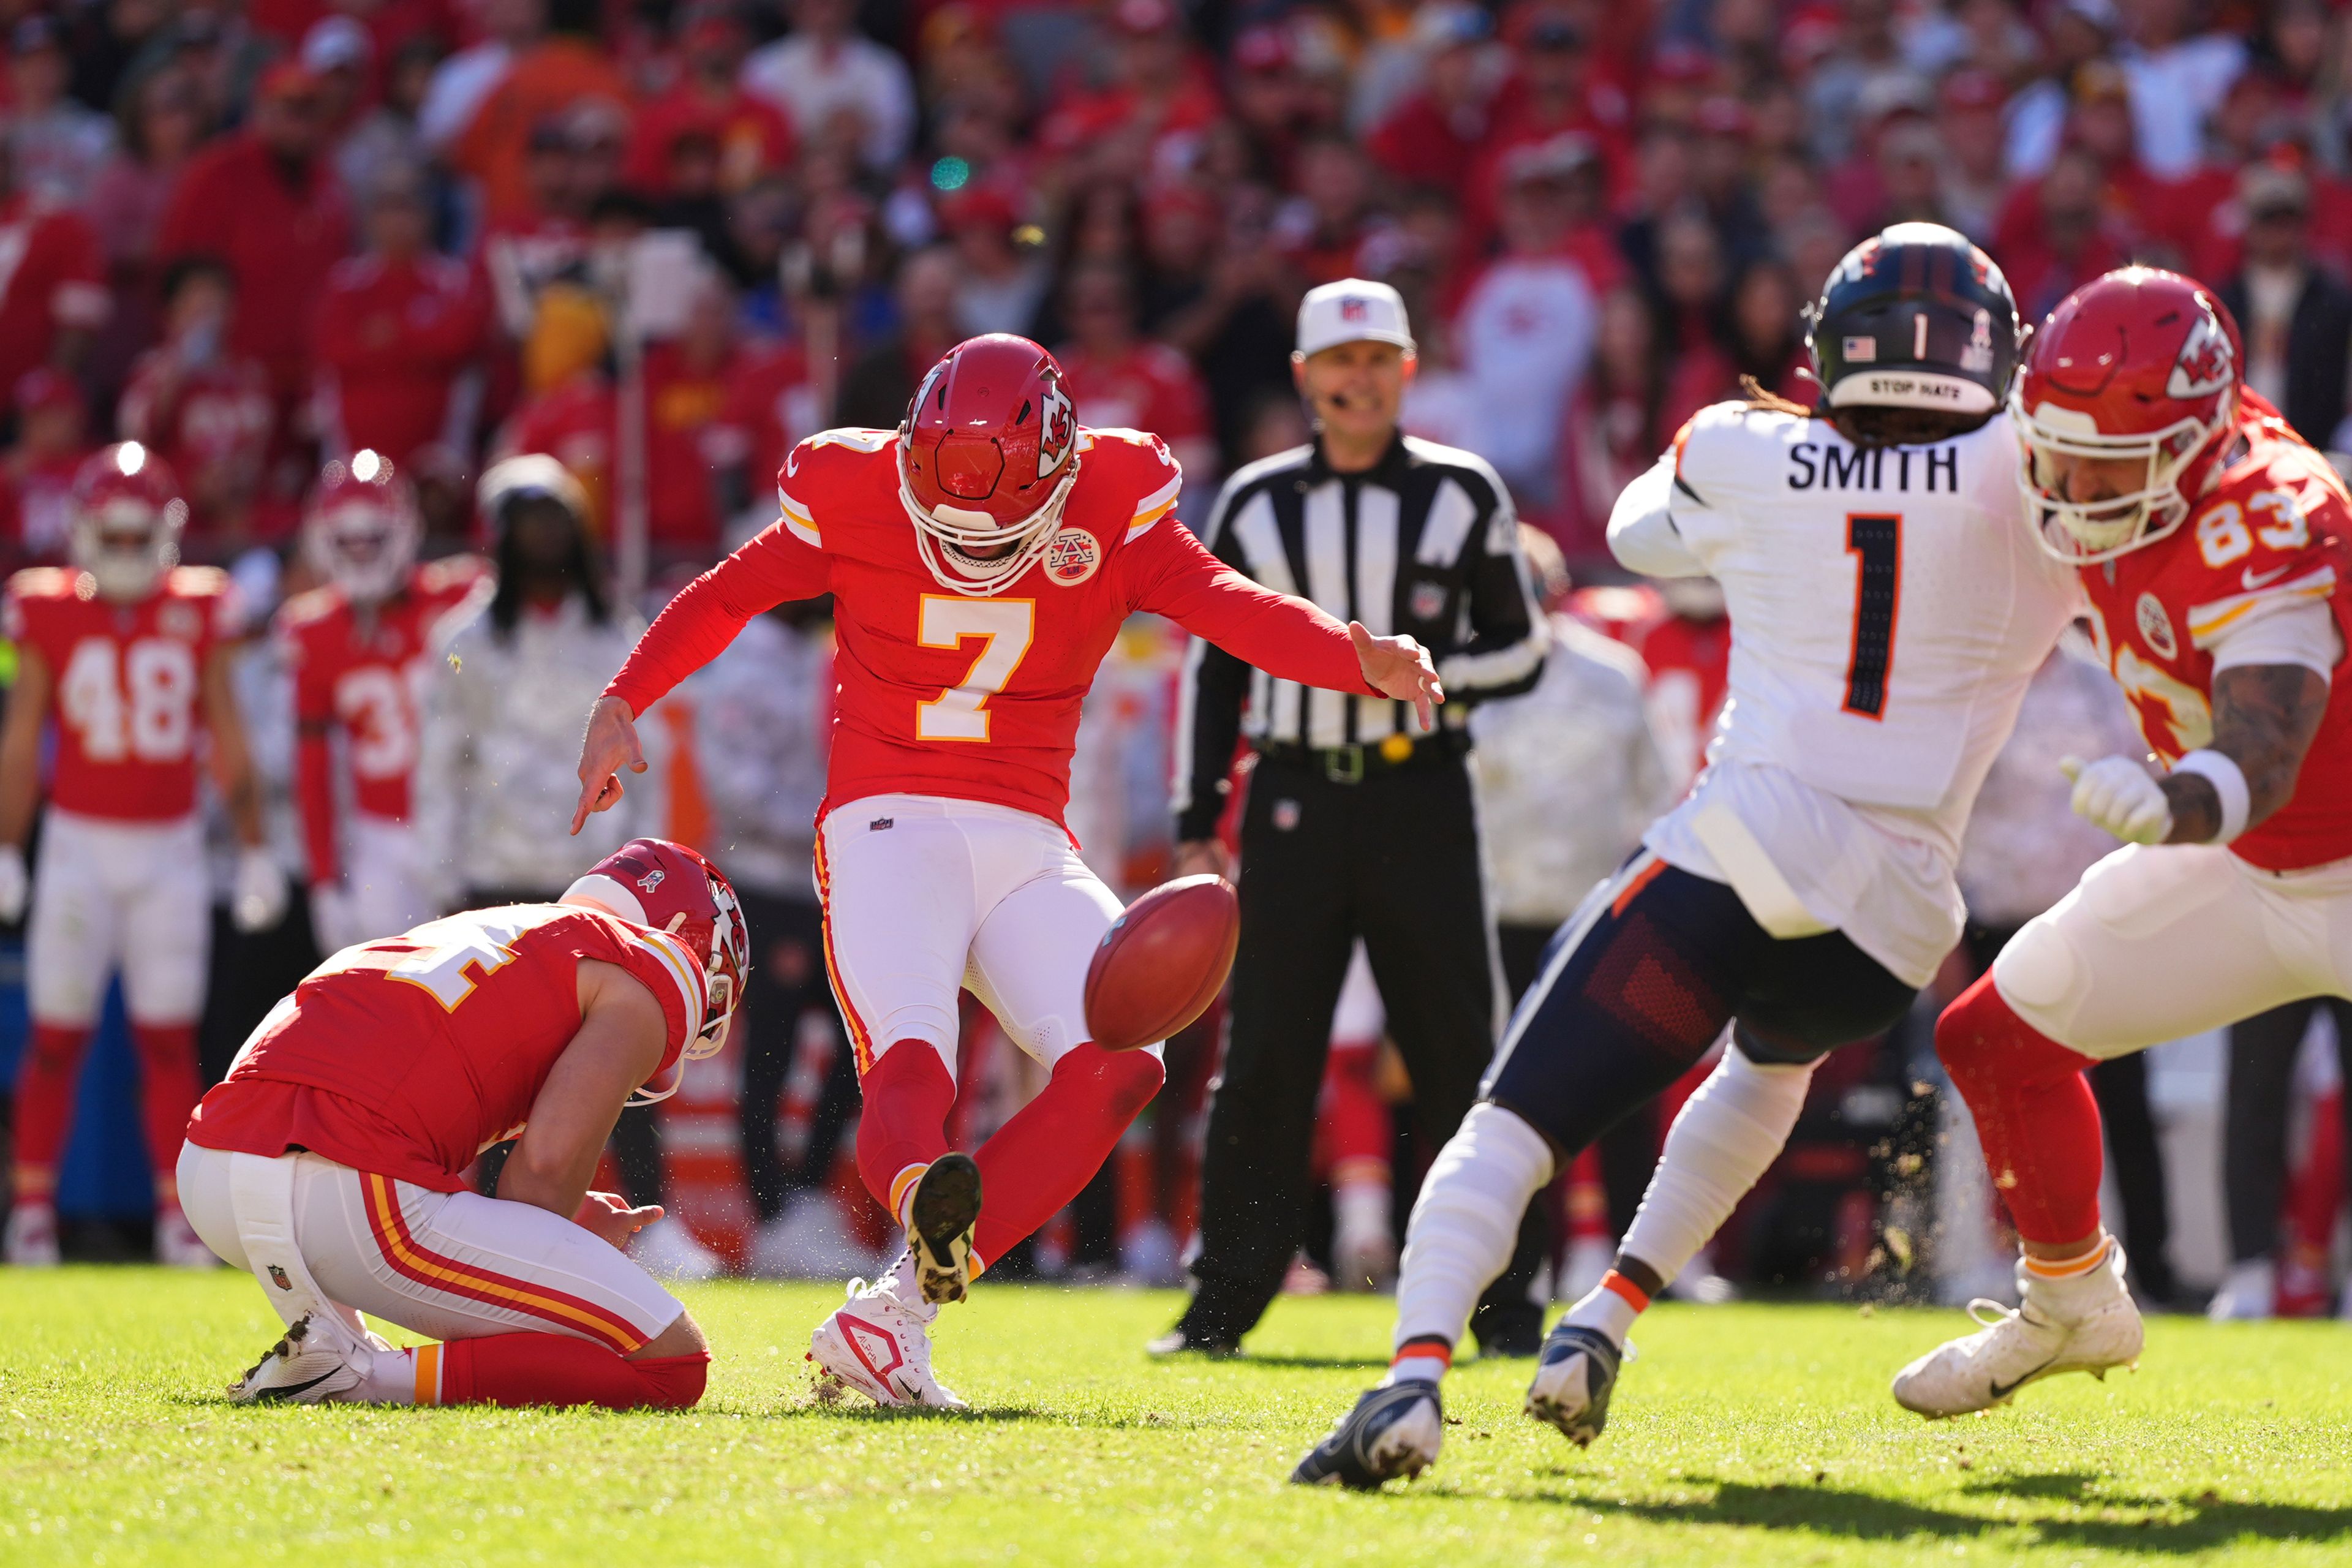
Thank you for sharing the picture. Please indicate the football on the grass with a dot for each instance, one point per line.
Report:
(1162, 962)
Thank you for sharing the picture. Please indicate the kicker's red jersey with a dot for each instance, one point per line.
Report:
(126, 684)
(360, 675)
(978, 699)
(2274, 528)
(410, 1055)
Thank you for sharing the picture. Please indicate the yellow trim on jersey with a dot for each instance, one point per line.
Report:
(798, 520)
(682, 970)
(2206, 621)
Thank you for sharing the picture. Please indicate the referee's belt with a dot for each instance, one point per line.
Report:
(1354, 764)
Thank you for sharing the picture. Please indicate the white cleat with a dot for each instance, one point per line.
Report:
(32, 1241)
(311, 1365)
(668, 1250)
(881, 1346)
(2073, 1325)
(178, 1245)
(2248, 1294)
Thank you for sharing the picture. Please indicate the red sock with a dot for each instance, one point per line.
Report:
(45, 1098)
(167, 1093)
(908, 1094)
(523, 1369)
(2035, 1114)
(1053, 1145)
(1353, 1131)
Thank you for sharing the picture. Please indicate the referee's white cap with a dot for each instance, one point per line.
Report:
(1352, 310)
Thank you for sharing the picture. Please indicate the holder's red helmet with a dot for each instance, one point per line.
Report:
(670, 887)
(986, 460)
(2141, 366)
(127, 517)
(359, 526)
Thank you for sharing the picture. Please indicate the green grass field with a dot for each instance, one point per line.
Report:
(1744, 1435)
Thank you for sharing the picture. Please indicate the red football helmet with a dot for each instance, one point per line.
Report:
(127, 520)
(360, 527)
(986, 461)
(2139, 365)
(669, 887)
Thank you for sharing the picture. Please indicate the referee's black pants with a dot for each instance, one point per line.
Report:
(1392, 858)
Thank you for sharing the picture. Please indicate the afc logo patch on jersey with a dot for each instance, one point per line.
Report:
(2156, 626)
(1073, 556)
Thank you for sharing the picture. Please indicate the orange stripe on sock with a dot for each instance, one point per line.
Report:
(1618, 1285)
(899, 1185)
(428, 1374)
(2070, 1268)
(1424, 1349)
(1642, 878)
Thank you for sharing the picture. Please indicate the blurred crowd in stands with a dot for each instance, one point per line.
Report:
(660, 242)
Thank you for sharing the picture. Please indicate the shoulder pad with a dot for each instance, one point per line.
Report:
(307, 609)
(1138, 478)
(42, 582)
(196, 583)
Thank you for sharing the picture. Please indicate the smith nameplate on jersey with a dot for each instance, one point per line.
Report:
(1835, 465)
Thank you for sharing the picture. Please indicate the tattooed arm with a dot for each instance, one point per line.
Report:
(2264, 716)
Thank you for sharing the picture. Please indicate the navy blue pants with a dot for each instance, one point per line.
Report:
(1634, 990)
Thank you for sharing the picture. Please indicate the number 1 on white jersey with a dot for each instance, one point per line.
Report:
(1876, 545)
(960, 712)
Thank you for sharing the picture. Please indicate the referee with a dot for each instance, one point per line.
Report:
(1356, 825)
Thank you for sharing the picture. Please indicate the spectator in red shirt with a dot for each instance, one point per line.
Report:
(1324, 228)
(265, 202)
(397, 329)
(37, 474)
(771, 403)
(1557, 87)
(54, 296)
(1158, 95)
(688, 380)
(1128, 381)
(205, 408)
(570, 411)
(1432, 137)
(2063, 240)
(558, 73)
(752, 135)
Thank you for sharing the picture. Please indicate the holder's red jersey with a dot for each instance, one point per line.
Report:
(2272, 530)
(126, 684)
(410, 1055)
(978, 699)
(361, 673)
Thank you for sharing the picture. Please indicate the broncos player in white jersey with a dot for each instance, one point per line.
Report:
(1888, 606)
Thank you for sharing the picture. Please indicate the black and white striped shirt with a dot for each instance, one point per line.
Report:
(1425, 541)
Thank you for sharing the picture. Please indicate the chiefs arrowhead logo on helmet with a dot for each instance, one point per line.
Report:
(1061, 427)
(2205, 365)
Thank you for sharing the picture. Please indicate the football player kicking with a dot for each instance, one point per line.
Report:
(981, 558)
(329, 1161)
(2211, 544)
(1888, 609)
(358, 647)
(126, 650)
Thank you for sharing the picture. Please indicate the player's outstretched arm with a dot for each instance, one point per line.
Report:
(619, 1044)
(1399, 667)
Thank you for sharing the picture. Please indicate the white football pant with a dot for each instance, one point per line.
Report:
(2162, 942)
(136, 895)
(380, 861)
(451, 1266)
(925, 896)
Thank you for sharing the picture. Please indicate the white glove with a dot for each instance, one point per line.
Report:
(260, 902)
(334, 918)
(16, 886)
(2118, 794)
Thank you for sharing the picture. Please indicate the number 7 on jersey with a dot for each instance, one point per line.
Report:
(960, 712)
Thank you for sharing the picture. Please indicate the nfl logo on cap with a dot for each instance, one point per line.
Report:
(1352, 310)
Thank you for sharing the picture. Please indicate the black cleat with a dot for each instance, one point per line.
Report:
(947, 1202)
(1181, 1340)
(1574, 1377)
(1394, 1431)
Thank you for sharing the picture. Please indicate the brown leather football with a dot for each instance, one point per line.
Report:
(1162, 962)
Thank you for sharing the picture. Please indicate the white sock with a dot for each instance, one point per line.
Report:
(1604, 1308)
(1416, 1369)
(1467, 1221)
(389, 1377)
(1360, 1209)
(1723, 1138)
